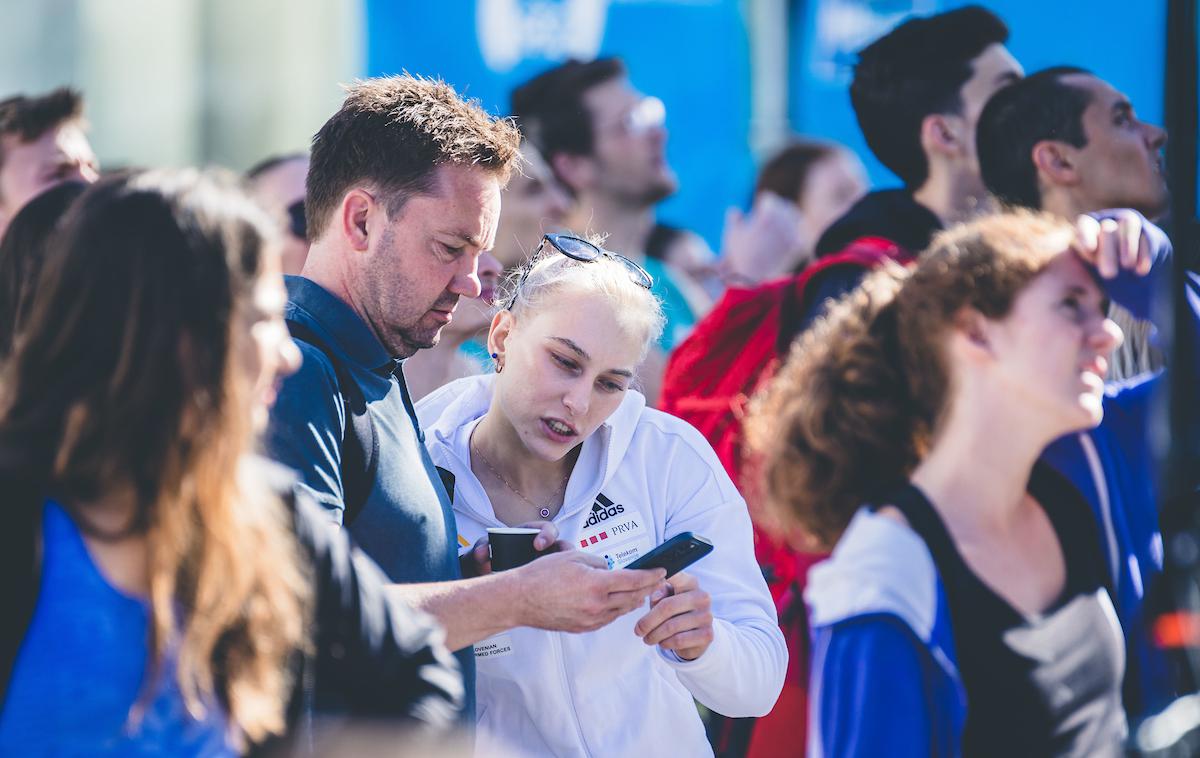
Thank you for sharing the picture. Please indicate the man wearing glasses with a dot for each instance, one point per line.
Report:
(606, 143)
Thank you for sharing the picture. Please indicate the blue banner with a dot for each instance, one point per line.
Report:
(692, 54)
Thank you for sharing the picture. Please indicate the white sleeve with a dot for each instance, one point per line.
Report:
(741, 674)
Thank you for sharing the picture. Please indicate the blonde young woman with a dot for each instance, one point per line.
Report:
(163, 593)
(558, 434)
(966, 609)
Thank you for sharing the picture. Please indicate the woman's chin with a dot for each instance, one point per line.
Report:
(1091, 411)
(260, 416)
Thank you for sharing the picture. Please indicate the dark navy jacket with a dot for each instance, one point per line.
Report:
(406, 525)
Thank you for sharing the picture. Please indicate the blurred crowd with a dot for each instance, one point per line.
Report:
(262, 436)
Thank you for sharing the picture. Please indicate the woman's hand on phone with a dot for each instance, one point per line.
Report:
(679, 620)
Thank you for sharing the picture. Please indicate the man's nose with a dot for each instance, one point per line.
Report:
(1156, 136)
(466, 281)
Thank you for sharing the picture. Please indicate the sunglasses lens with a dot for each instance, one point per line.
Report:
(650, 113)
(297, 223)
(639, 275)
(573, 247)
(582, 250)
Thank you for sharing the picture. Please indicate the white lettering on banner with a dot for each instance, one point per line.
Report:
(494, 647)
(510, 31)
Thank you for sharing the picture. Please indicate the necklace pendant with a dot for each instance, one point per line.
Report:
(545, 512)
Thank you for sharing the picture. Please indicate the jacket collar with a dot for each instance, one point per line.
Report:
(460, 403)
(343, 331)
(891, 214)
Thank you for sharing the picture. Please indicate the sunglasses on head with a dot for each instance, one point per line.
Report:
(581, 250)
(297, 224)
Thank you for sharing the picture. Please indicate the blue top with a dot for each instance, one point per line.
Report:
(81, 666)
(680, 318)
(406, 525)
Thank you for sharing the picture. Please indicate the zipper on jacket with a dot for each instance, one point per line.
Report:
(566, 682)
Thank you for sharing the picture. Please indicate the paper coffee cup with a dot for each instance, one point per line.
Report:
(511, 546)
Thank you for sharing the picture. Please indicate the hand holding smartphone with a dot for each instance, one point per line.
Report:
(675, 554)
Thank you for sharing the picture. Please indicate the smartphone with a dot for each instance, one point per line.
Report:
(675, 554)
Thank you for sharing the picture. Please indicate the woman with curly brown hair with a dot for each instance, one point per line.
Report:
(966, 609)
(160, 587)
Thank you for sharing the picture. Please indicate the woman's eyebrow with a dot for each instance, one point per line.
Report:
(573, 347)
(581, 353)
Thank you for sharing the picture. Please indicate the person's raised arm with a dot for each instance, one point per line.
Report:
(1131, 256)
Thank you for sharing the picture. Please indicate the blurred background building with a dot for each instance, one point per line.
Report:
(173, 82)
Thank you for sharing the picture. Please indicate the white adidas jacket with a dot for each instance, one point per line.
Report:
(642, 478)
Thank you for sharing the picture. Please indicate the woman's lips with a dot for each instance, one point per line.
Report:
(1093, 374)
(1097, 366)
(549, 428)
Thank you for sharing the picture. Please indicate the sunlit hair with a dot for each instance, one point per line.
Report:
(392, 134)
(861, 396)
(126, 379)
(636, 310)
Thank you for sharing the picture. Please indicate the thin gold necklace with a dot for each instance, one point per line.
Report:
(543, 511)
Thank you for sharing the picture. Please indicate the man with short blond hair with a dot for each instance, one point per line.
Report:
(42, 143)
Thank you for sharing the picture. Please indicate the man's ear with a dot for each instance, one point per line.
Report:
(576, 172)
(943, 134)
(358, 211)
(1055, 163)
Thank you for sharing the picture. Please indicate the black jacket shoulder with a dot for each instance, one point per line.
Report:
(373, 657)
(891, 214)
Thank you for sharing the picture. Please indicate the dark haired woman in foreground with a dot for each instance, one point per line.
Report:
(966, 609)
(157, 589)
(22, 250)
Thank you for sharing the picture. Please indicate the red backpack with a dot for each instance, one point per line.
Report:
(732, 354)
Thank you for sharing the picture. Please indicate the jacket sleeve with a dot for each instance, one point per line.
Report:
(306, 429)
(375, 657)
(869, 692)
(1128, 404)
(741, 673)
(1131, 399)
(1132, 291)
